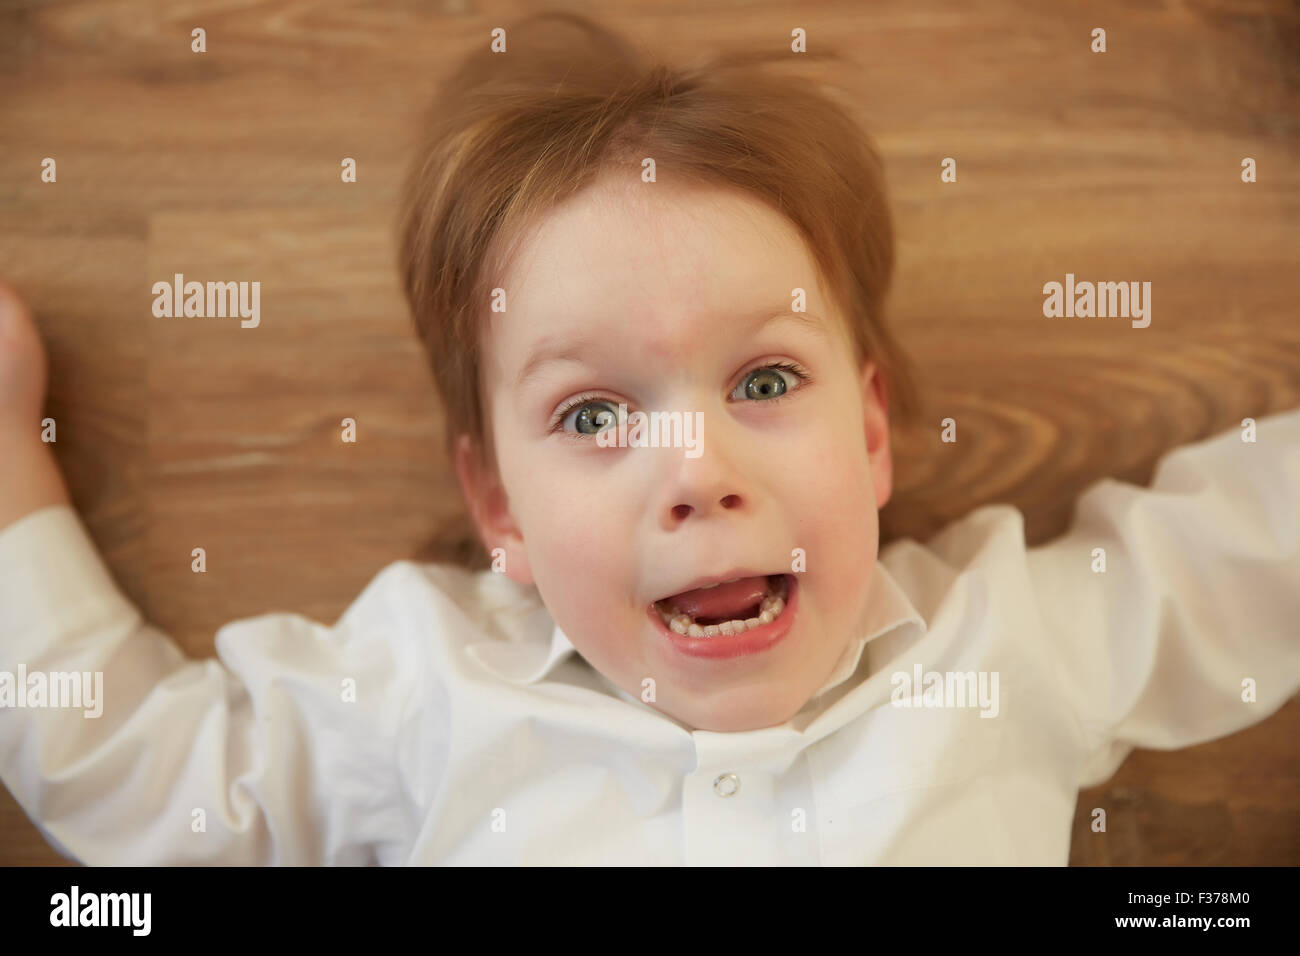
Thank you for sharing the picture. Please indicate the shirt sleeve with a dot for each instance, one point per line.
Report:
(1192, 630)
(279, 751)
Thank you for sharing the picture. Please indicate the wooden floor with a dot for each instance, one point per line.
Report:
(1121, 166)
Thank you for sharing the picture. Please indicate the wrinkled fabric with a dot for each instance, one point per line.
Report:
(478, 736)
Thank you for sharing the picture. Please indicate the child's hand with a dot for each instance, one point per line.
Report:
(22, 367)
(29, 477)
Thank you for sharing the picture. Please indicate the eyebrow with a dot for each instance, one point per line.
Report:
(549, 351)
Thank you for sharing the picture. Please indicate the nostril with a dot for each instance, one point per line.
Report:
(730, 501)
(681, 511)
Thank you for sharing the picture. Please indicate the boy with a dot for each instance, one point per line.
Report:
(753, 682)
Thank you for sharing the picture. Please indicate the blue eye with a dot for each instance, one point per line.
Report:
(593, 417)
(591, 413)
(768, 381)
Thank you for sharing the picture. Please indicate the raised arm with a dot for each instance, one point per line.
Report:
(1190, 629)
(124, 751)
(29, 478)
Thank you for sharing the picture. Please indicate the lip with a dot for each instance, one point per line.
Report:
(726, 646)
(732, 575)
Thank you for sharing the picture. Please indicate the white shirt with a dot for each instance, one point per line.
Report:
(479, 736)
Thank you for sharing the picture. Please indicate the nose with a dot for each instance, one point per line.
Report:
(705, 488)
(682, 511)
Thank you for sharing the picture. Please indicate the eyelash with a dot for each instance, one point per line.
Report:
(562, 414)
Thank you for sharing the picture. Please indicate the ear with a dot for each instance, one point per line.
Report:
(489, 507)
(875, 413)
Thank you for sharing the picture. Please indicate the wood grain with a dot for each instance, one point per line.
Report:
(183, 433)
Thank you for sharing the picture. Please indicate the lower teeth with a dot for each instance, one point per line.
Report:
(769, 610)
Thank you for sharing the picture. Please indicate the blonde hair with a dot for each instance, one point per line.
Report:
(511, 135)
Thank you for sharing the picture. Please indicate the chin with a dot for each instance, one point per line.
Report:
(737, 717)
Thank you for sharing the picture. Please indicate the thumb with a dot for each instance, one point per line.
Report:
(22, 360)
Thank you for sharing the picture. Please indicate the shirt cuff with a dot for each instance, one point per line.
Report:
(53, 584)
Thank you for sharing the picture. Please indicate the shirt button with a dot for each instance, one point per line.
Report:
(726, 785)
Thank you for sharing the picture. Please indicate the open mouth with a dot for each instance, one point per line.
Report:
(737, 607)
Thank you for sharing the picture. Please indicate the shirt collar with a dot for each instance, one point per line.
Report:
(538, 646)
(889, 608)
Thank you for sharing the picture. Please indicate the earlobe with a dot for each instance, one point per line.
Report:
(490, 511)
(875, 408)
(882, 475)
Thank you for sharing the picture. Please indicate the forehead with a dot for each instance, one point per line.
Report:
(647, 264)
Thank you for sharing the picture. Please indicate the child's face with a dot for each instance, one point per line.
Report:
(660, 291)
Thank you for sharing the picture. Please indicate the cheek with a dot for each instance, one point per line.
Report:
(577, 548)
(832, 468)
(837, 520)
(572, 521)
